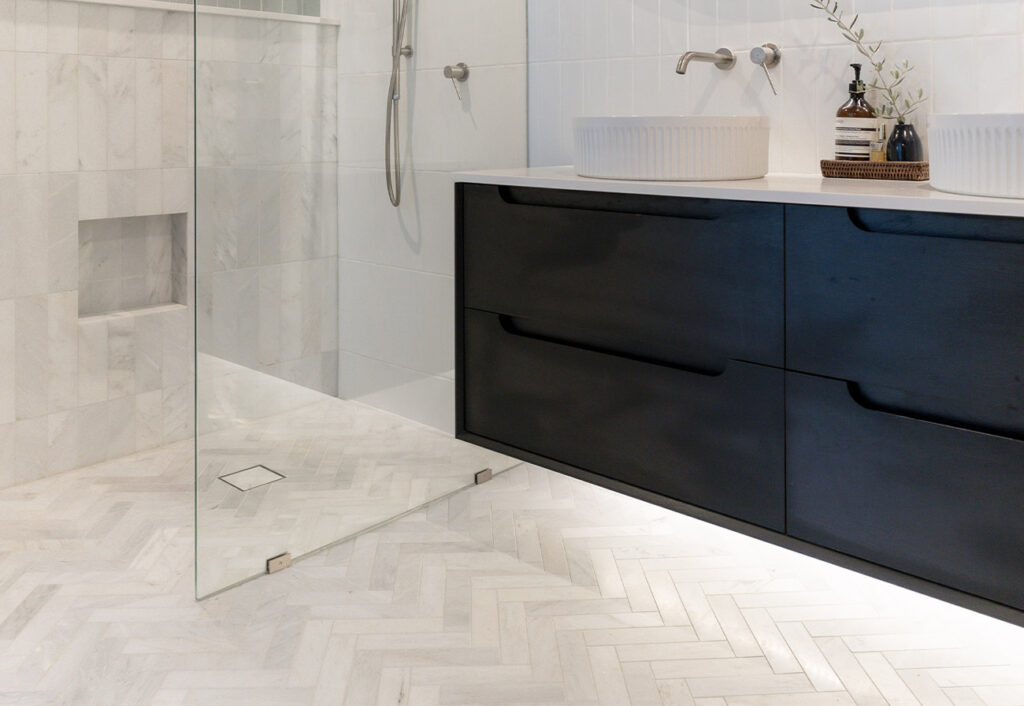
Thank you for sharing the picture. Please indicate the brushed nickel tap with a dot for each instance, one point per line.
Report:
(723, 59)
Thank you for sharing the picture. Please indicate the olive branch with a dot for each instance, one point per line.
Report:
(887, 81)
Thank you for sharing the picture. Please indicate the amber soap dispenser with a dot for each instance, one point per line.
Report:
(856, 123)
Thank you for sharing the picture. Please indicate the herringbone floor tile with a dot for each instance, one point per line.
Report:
(531, 589)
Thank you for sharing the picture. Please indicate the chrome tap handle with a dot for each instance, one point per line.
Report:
(767, 56)
(458, 73)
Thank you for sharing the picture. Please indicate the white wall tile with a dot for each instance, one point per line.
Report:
(942, 38)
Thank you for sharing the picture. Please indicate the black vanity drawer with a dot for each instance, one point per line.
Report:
(707, 438)
(925, 311)
(688, 281)
(928, 499)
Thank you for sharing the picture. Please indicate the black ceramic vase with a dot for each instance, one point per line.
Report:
(904, 144)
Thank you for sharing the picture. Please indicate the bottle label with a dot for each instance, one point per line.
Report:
(854, 136)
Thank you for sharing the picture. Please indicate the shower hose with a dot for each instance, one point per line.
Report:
(392, 153)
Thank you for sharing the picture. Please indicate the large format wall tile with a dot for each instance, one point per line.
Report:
(94, 123)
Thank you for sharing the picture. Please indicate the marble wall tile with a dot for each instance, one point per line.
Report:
(148, 192)
(178, 415)
(8, 450)
(92, 361)
(148, 420)
(120, 356)
(31, 111)
(120, 97)
(62, 442)
(121, 189)
(8, 245)
(8, 26)
(269, 344)
(92, 109)
(93, 31)
(149, 352)
(176, 190)
(148, 112)
(93, 196)
(31, 317)
(62, 231)
(31, 19)
(31, 441)
(8, 114)
(33, 234)
(178, 348)
(121, 429)
(62, 27)
(95, 124)
(93, 430)
(176, 101)
(62, 113)
(177, 36)
(121, 31)
(7, 362)
(62, 362)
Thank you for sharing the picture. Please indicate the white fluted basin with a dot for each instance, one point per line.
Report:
(672, 148)
(981, 155)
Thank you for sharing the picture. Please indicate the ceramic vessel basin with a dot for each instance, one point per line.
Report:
(980, 154)
(672, 148)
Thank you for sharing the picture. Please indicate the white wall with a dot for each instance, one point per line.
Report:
(602, 57)
(396, 266)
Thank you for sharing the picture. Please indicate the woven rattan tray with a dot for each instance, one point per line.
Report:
(897, 171)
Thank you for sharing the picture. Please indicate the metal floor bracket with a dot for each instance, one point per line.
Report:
(279, 563)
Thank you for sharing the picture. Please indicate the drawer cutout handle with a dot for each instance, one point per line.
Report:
(621, 204)
(936, 225)
(862, 396)
(518, 327)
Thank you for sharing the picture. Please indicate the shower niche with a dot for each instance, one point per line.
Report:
(131, 264)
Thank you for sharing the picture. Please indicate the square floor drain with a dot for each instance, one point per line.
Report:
(250, 478)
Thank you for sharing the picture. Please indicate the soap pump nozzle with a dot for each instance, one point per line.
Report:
(857, 86)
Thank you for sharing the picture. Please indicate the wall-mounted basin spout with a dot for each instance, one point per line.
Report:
(723, 59)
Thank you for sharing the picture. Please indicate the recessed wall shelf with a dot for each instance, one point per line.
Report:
(127, 264)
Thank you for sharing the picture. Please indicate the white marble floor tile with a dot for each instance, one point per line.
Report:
(97, 608)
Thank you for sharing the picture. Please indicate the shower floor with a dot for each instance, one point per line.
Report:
(347, 467)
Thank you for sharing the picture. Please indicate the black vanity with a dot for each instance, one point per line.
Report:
(843, 381)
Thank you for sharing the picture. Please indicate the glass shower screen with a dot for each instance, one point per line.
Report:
(324, 314)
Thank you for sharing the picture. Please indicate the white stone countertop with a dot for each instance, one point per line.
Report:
(775, 188)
